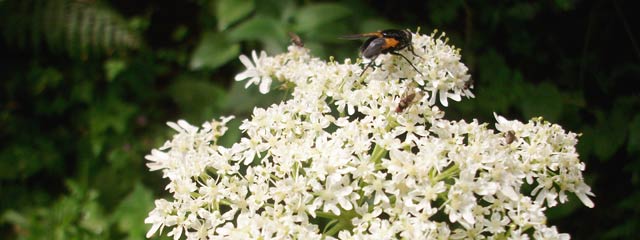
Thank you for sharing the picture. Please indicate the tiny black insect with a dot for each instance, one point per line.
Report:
(381, 42)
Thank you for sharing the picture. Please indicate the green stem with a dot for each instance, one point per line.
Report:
(451, 171)
(392, 122)
(344, 221)
(326, 215)
(335, 229)
(378, 153)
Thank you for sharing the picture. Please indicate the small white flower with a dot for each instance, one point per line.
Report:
(337, 191)
(258, 71)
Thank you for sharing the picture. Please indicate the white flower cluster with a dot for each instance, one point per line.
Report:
(369, 157)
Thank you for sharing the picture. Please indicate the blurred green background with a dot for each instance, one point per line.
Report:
(87, 87)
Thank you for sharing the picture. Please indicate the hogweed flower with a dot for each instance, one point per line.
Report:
(338, 160)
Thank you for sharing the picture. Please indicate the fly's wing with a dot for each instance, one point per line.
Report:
(373, 48)
(361, 35)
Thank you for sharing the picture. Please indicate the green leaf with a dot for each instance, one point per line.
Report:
(213, 51)
(258, 27)
(501, 84)
(180, 33)
(112, 114)
(564, 210)
(16, 218)
(242, 101)
(47, 78)
(198, 99)
(233, 133)
(610, 133)
(565, 5)
(375, 24)
(447, 11)
(313, 15)
(230, 11)
(542, 100)
(113, 67)
(587, 141)
(131, 212)
(523, 11)
(22, 159)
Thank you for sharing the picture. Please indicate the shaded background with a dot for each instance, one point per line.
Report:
(87, 87)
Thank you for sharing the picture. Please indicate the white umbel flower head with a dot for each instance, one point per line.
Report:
(369, 157)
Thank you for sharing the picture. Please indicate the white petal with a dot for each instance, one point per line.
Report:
(174, 126)
(246, 62)
(254, 55)
(509, 192)
(455, 97)
(500, 119)
(468, 216)
(443, 98)
(265, 85)
(157, 156)
(432, 100)
(244, 75)
(153, 229)
(250, 82)
(585, 200)
(351, 109)
(345, 204)
(187, 127)
(582, 192)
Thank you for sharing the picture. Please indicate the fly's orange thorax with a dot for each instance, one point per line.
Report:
(390, 42)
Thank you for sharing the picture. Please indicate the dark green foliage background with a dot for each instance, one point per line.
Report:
(87, 87)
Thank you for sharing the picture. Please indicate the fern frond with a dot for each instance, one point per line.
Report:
(76, 28)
